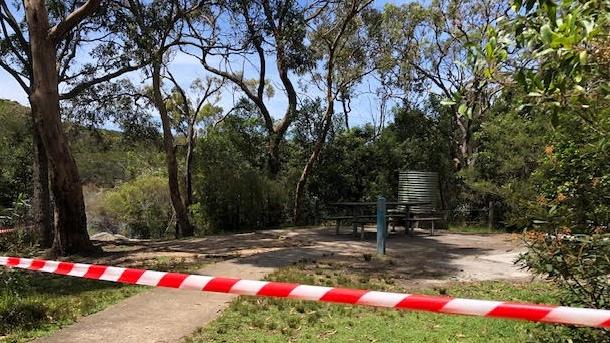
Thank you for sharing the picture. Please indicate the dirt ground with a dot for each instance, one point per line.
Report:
(415, 260)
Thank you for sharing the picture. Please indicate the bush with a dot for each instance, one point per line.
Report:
(143, 204)
(13, 312)
(579, 265)
(231, 187)
(239, 198)
(15, 152)
(24, 240)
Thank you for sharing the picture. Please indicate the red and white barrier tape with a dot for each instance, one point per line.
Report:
(486, 308)
(7, 230)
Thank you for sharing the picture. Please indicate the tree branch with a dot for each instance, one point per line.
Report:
(12, 22)
(86, 84)
(58, 32)
(16, 76)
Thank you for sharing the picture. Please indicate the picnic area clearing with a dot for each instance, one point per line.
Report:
(413, 263)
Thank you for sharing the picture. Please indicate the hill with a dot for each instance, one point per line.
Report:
(104, 157)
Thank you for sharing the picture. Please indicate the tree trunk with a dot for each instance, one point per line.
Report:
(188, 199)
(491, 218)
(71, 235)
(41, 196)
(465, 153)
(183, 226)
(274, 162)
(313, 158)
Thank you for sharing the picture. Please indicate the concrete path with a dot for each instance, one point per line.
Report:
(169, 315)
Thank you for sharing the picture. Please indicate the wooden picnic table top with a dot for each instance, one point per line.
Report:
(374, 203)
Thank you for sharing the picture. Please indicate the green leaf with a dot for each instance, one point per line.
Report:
(588, 26)
(545, 52)
(448, 102)
(583, 57)
(521, 78)
(517, 5)
(546, 34)
(551, 11)
(489, 51)
(462, 109)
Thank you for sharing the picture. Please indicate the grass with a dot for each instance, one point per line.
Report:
(34, 304)
(37, 304)
(474, 229)
(251, 319)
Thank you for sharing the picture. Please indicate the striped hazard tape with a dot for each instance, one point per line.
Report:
(486, 308)
(7, 229)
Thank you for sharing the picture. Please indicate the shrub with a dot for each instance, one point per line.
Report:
(238, 198)
(579, 265)
(231, 188)
(24, 240)
(143, 204)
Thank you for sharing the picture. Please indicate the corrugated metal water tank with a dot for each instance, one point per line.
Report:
(416, 186)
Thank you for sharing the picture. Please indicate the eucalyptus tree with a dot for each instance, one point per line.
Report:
(435, 48)
(187, 110)
(338, 41)
(157, 31)
(43, 45)
(238, 41)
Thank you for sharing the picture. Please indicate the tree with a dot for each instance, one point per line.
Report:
(41, 56)
(568, 85)
(187, 114)
(436, 47)
(71, 221)
(338, 44)
(159, 28)
(262, 30)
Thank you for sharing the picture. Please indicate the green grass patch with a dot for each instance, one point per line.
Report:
(280, 320)
(474, 229)
(36, 304)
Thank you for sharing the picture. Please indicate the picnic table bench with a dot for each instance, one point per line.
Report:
(360, 220)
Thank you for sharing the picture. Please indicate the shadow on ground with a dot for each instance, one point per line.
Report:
(418, 257)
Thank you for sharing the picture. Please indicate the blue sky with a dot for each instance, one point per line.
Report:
(186, 69)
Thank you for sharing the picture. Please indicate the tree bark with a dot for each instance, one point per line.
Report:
(464, 142)
(313, 158)
(183, 226)
(190, 150)
(274, 161)
(491, 218)
(71, 235)
(41, 196)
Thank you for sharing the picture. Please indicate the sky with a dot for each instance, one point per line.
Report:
(186, 69)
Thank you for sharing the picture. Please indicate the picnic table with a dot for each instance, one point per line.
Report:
(358, 218)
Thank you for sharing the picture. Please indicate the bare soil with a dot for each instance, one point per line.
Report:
(420, 259)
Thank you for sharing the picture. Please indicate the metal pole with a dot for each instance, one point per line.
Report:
(381, 227)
